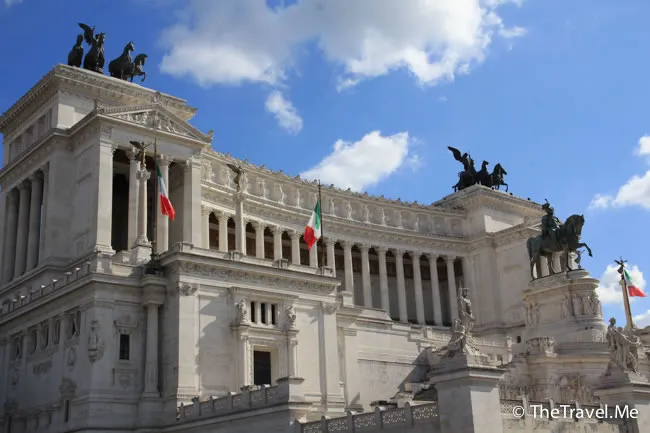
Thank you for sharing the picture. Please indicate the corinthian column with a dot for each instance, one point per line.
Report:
(383, 280)
(23, 229)
(401, 285)
(295, 247)
(365, 276)
(134, 190)
(417, 284)
(259, 239)
(347, 262)
(223, 232)
(11, 236)
(451, 284)
(277, 242)
(143, 176)
(34, 236)
(435, 289)
(331, 261)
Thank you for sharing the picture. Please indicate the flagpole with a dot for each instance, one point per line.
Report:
(322, 232)
(154, 241)
(626, 294)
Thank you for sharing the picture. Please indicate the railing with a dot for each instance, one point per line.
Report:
(407, 416)
(233, 402)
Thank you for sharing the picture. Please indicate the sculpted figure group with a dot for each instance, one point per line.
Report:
(469, 176)
(122, 67)
(623, 346)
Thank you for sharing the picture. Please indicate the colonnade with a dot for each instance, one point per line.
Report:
(22, 237)
(349, 259)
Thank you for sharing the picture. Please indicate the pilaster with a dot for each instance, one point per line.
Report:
(383, 280)
(103, 214)
(365, 276)
(192, 227)
(401, 285)
(23, 228)
(134, 191)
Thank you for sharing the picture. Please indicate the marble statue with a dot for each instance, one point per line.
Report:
(623, 346)
(461, 341)
(290, 313)
(242, 310)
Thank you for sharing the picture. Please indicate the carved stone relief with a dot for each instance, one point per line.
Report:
(95, 342)
(42, 367)
(125, 324)
(71, 357)
(187, 289)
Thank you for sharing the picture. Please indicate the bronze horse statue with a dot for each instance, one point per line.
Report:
(94, 60)
(117, 66)
(566, 240)
(76, 55)
(496, 178)
(135, 68)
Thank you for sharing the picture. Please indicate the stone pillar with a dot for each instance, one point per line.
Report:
(23, 229)
(417, 284)
(162, 224)
(331, 257)
(295, 247)
(240, 225)
(11, 235)
(383, 280)
(134, 191)
(293, 357)
(277, 242)
(435, 289)
(151, 367)
(44, 211)
(347, 262)
(468, 394)
(34, 236)
(365, 276)
(258, 313)
(401, 285)
(103, 212)
(259, 239)
(143, 176)
(192, 202)
(451, 284)
(205, 223)
(244, 348)
(313, 256)
(223, 232)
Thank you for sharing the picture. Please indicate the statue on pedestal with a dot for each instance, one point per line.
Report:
(556, 237)
(94, 60)
(623, 348)
(242, 310)
(469, 176)
(461, 341)
(125, 69)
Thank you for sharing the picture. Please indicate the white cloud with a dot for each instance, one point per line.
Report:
(10, 3)
(609, 290)
(644, 146)
(642, 320)
(635, 192)
(284, 111)
(235, 41)
(363, 163)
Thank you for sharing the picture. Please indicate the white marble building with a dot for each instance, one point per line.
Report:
(90, 341)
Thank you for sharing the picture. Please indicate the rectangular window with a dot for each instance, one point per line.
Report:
(66, 411)
(263, 313)
(253, 313)
(125, 347)
(33, 341)
(274, 313)
(45, 335)
(261, 367)
(56, 331)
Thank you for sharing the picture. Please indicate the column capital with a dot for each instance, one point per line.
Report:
(257, 225)
(432, 257)
(329, 241)
(45, 169)
(449, 258)
(205, 210)
(294, 234)
(276, 230)
(107, 146)
(132, 154)
(415, 255)
(192, 163)
(164, 160)
(399, 252)
(347, 245)
(381, 250)
(36, 177)
(365, 247)
(143, 174)
(221, 216)
(24, 185)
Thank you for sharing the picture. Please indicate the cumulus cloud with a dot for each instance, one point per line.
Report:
(609, 290)
(642, 320)
(635, 192)
(364, 163)
(284, 111)
(236, 41)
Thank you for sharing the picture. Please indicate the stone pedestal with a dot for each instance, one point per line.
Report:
(564, 306)
(631, 393)
(468, 394)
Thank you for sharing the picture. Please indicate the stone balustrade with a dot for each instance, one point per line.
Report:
(234, 402)
(404, 418)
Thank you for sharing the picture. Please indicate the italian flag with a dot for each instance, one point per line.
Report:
(165, 205)
(312, 231)
(632, 289)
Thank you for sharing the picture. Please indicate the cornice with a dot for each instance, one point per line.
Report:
(94, 86)
(479, 196)
(331, 191)
(514, 234)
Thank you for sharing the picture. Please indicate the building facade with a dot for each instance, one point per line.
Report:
(243, 325)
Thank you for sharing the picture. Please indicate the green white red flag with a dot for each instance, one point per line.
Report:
(313, 229)
(165, 205)
(632, 288)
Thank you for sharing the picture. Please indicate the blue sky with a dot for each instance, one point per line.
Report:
(369, 94)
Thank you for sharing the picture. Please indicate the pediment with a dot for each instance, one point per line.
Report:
(157, 117)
